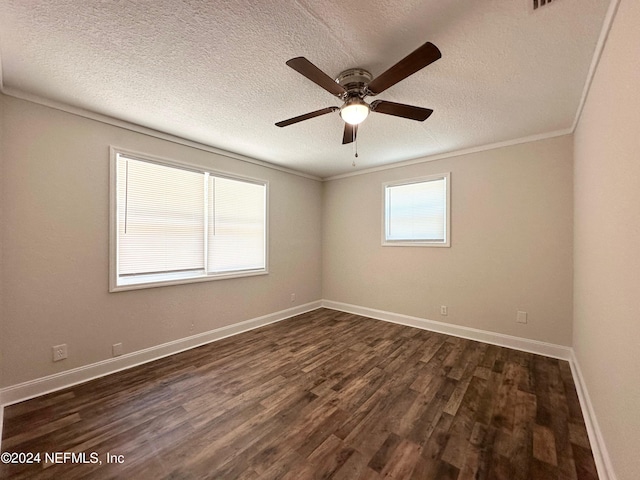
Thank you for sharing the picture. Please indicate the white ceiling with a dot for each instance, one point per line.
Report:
(214, 71)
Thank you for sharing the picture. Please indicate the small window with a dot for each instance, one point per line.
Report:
(416, 212)
(172, 224)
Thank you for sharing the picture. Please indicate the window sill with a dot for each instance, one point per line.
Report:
(412, 243)
(140, 283)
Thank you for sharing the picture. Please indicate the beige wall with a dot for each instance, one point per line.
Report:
(607, 242)
(511, 237)
(56, 253)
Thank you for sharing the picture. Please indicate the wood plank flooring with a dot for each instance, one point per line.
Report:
(322, 395)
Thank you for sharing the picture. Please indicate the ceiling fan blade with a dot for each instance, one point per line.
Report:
(317, 76)
(401, 110)
(420, 58)
(350, 132)
(306, 116)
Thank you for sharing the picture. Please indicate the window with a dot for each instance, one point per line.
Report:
(416, 212)
(172, 223)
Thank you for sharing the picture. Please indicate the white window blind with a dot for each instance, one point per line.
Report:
(174, 224)
(416, 212)
(236, 225)
(160, 218)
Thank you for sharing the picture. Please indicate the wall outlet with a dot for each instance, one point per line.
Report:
(117, 349)
(444, 310)
(59, 352)
(293, 298)
(521, 317)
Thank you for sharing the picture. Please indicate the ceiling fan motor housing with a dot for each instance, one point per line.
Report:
(355, 81)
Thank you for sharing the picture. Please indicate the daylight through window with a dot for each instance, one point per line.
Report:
(175, 224)
(416, 212)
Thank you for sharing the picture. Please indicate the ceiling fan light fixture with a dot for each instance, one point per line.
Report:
(354, 111)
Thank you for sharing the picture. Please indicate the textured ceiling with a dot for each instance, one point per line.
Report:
(214, 71)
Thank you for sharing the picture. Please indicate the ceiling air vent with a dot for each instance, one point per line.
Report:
(540, 3)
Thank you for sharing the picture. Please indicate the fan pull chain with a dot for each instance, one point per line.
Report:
(355, 147)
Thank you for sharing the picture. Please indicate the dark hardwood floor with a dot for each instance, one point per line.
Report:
(321, 395)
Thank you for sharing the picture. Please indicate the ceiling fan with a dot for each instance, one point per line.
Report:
(354, 84)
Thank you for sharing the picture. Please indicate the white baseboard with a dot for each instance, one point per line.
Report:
(598, 447)
(40, 386)
(517, 343)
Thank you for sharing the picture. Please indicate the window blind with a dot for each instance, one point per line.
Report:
(416, 211)
(160, 218)
(237, 225)
(175, 224)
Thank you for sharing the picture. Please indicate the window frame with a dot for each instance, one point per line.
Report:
(179, 278)
(447, 214)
